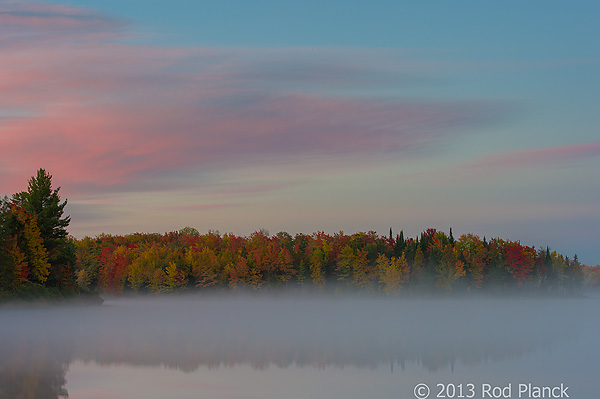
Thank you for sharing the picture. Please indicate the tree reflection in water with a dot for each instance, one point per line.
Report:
(32, 368)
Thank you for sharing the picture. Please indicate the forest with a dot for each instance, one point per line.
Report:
(39, 258)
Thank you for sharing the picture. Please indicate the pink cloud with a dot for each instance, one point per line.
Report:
(28, 19)
(543, 156)
(100, 114)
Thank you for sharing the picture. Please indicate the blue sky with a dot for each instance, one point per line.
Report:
(305, 116)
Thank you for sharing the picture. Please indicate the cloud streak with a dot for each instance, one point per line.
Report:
(108, 115)
(28, 20)
(541, 156)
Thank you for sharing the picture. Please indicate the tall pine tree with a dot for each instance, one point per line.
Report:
(44, 202)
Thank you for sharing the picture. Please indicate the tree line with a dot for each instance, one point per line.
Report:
(38, 254)
(367, 262)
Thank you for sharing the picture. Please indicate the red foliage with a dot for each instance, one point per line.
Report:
(519, 261)
(113, 269)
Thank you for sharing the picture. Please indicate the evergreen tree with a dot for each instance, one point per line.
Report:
(550, 277)
(44, 202)
(400, 244)
(9, 266)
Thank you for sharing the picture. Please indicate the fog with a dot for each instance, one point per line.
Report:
(192, 332)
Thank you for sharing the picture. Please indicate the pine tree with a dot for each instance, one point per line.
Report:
(43, 202)
(399, 244)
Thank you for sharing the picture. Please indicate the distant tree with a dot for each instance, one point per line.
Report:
(393, 273)
(418, 263)
(174, 278)
(574, 277)
(285, 266)
(114, 268)
(449, 269)
(363, 273)
(549, 277)
(240, 273)
(345, 261)
(189, 231)
(519, 261)
(473, 253)
(317, 265)
(206, 271)
(399, 244)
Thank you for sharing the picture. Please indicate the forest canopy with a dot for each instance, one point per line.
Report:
(37, 253)
(366, 262)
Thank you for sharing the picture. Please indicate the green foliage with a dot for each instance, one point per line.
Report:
(45, 203)
(36, 257)
(189, 231)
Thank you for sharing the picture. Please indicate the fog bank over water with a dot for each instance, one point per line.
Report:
(190, 332)
(186, 332)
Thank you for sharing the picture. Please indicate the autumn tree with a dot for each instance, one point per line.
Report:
(24, 253)
(474, 255)
(318, 265)
(206, 270)
(449, 269)
(393, 273)
(174, 278)
(86, 264)
(345, 261)
(363, 273)
(113, 268)
(32, 245)
(240, 274)
(519, 261)
(285, 266)
(13, 266)
(13, 262)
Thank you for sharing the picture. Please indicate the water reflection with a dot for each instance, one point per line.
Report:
(37, 345)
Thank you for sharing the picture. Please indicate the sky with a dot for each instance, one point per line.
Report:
(309, 116)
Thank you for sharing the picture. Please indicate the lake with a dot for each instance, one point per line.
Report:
(244, 346)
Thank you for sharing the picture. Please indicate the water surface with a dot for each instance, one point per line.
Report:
(289, 347)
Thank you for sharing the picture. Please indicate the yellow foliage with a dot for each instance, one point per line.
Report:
(393, 273)
(37, 255)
